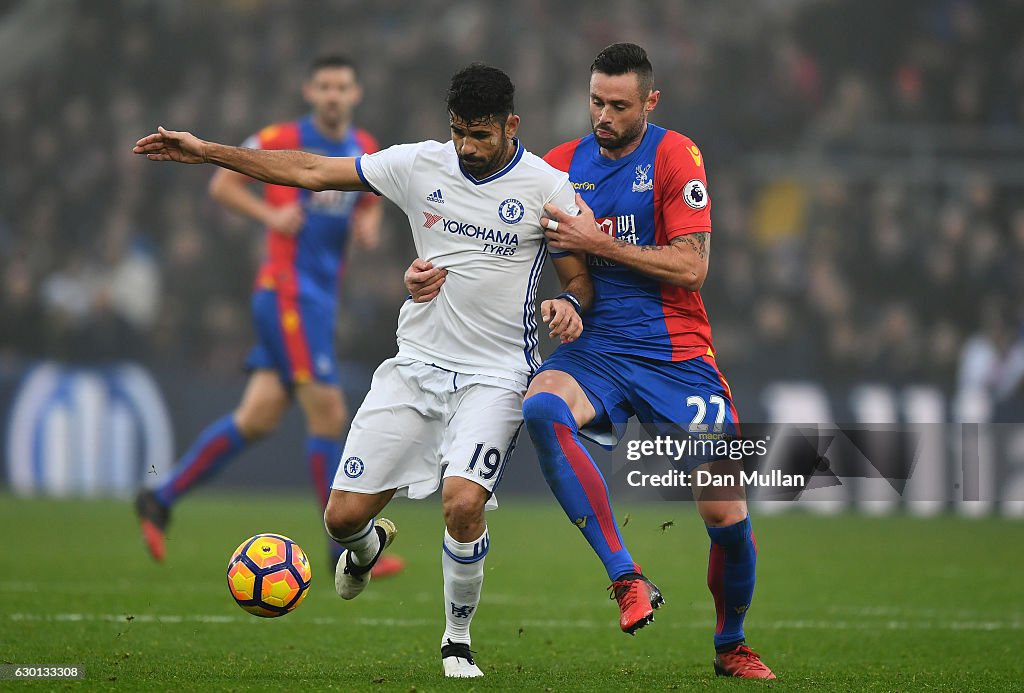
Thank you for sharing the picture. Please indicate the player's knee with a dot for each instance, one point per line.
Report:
(254, 423)
(544, 408)
(329, 424)
(334, 416)
(462, 509)
(343, 520)
(326, 415)
(722, 514)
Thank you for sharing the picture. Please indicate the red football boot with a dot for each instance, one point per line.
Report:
(153, 518)
(638, 597)
(742, 662)
(387, 565)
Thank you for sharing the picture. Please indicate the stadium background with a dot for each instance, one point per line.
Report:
(866, 162)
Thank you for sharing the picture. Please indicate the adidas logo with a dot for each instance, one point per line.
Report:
(436, 197)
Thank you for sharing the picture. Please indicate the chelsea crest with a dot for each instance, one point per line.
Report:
(511, 211)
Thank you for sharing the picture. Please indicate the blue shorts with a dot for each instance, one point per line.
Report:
(676, 398)
(294, 337)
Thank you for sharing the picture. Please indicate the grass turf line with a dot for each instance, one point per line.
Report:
(848, 602)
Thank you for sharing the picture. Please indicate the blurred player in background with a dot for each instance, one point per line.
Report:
(448, 408)
(294, 302)
(647, 348)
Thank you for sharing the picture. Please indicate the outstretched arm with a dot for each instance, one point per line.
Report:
(683, 262)
(299, 169)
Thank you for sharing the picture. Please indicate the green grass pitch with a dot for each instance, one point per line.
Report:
(842, 603)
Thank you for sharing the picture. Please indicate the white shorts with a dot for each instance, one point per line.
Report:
(420, 423)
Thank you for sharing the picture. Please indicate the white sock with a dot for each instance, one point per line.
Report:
(463, 569)
(364, 544)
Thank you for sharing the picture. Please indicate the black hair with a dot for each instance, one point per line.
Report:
(330, 61)
(621, 58)
(480, 92)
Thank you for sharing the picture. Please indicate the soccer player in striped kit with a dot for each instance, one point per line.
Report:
(294, 301)
(646, 351)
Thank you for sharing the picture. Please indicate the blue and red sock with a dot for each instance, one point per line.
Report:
(731, 575)
(575, 479)
(323, 455)
(214, 447)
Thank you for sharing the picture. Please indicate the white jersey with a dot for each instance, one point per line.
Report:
(487, 234)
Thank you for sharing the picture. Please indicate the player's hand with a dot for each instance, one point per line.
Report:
(575, 233)
(366, 226)
(562, 319)
(286, 219)
(424, 281)
(168, 145)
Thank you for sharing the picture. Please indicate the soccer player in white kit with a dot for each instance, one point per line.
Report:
(446, 411)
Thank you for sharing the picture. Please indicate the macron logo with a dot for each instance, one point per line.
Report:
(436, 197)
(431, 219)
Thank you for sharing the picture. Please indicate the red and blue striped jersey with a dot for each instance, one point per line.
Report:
(653, 195)
(309, 263)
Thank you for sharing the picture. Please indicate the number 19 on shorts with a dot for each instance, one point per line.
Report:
(485, 464)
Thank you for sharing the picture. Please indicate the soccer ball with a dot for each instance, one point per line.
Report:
(268, 575)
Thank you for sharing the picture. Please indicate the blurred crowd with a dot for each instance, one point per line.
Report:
(830, 272)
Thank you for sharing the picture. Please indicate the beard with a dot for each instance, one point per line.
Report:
(479, 167)
(475, 165)
(331, 115)
(620, 139)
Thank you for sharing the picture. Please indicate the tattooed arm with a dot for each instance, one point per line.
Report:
(683, 262)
